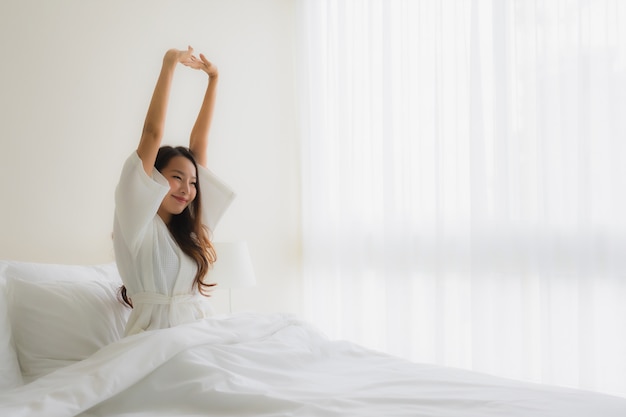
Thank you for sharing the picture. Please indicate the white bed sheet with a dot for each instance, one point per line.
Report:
(275, 365)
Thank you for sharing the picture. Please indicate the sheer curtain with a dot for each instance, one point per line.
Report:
(464, 181)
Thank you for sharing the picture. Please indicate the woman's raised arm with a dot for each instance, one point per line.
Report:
(198, 140)
(154, 124)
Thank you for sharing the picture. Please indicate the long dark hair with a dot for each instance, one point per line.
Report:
(186, 228)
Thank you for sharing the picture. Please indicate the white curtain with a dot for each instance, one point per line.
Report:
(464, 182)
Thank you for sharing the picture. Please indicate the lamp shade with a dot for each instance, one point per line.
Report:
(233, 267)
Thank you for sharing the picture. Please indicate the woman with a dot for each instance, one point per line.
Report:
(166, 205)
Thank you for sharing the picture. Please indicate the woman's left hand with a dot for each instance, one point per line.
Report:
(202, 64)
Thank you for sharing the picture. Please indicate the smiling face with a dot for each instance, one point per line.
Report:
(181, 174)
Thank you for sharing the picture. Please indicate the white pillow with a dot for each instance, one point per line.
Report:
(47, 273)
(10, 375)
(57, 323)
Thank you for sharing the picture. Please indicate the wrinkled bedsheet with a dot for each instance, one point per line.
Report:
(276, 365)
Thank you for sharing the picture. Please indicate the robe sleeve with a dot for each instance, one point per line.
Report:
(137, 200)
(216, 197)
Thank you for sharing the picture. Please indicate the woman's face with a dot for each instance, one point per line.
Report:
(181, 174)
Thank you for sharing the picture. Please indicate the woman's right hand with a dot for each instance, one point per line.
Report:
(179, 55)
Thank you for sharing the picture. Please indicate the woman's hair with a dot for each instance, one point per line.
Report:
(187, 228)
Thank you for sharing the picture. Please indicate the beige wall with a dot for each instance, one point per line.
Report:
(76, 79)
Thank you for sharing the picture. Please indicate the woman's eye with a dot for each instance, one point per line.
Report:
(193, 183)
(176, 177)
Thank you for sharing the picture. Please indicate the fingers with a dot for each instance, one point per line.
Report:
(188, 53)
(185, 57)
(202, 63)
(194, 62)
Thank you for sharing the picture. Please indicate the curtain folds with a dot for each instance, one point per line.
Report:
(464, 182)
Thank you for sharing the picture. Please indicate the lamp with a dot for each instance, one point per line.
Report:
(233, 267)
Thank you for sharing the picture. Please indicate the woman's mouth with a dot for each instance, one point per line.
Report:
(180, 199)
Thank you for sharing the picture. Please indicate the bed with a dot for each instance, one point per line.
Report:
(62, 354)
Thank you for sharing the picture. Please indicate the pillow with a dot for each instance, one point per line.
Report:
(10, 374)
(40, 272)
(57, 323)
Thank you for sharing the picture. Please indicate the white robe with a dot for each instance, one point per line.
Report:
(158, 276)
